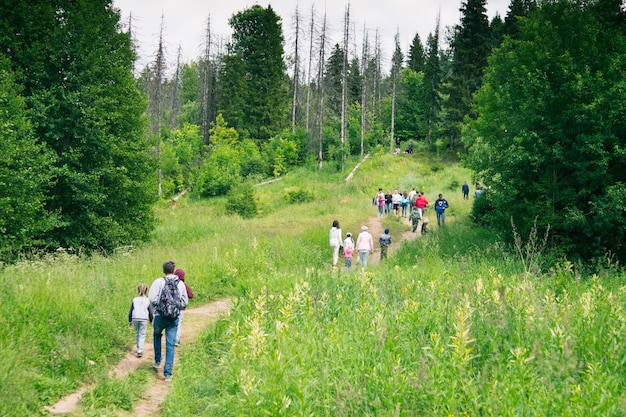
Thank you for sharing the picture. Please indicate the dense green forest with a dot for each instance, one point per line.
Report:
(532, 103)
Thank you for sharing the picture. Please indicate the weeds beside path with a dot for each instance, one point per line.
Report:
(195, 321)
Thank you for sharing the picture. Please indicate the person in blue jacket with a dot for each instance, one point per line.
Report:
(441, 204)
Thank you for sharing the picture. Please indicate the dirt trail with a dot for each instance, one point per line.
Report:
(375, 227)
(194, 322)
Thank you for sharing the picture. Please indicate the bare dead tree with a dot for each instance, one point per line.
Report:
(344, 86)
(296, 71)
(320, 86)
(205, 94)
(175, 103)
(158, 97)
(364, 80)
(395, 73)
(310, 66)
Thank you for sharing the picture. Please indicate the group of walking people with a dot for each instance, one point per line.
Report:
(363, 246)
(146, 308)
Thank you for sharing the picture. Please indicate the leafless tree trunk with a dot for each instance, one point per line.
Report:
(206, 84)
(296, 72)
(308, 77)
(320, 85)
(176, 91)
(394, 78)
(344, 87)
(160, 70)
(364, 63)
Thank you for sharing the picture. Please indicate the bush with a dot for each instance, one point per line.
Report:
(298, 195)
(241, 201)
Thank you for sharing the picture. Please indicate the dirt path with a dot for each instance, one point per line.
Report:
(194, 322)
(375, 227)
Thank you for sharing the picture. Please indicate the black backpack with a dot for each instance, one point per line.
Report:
(168, 305)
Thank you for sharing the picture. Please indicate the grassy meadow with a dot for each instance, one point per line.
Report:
(450, 325)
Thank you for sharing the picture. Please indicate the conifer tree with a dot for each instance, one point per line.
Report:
(471, 46)
(416, 60)
(76, 69)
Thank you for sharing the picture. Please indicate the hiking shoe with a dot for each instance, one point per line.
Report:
(177, 343)
(139, 354)
(156, 365)
(168, 378)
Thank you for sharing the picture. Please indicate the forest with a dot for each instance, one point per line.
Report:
(533, 103)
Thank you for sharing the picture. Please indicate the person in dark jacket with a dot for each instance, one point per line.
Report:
(181, 276)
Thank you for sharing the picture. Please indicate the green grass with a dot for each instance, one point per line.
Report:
(449, 325)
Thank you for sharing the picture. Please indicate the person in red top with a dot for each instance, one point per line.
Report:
(181, 276)
(420, 203)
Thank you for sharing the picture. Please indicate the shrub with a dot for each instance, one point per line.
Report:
(241, 201)
(298, 195)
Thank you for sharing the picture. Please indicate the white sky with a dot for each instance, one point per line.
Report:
(185, 21)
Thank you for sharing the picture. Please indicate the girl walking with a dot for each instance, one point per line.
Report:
(139, 315)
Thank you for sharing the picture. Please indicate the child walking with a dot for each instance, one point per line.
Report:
(181, 276)
(385, 241)
(348, 251)
(139, 315)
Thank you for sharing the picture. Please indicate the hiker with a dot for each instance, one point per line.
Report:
(420, 203)
(415, 219)
(348, 251)
(388, 202)
(364, 245)
(385, 241)
(412, 197)
(404, 203)
(181, 276)
(441, 204)
(167, 324)
(465, 189)
(396, 200)
(379, 202)
(335, 241)
(139, 315)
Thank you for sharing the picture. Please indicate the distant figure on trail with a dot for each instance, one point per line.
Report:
(379, 201)
(441, 204)
(412, 197)
(421, 203)
(364, 246)
(385, 241)
(479, 190)
(396, 199)
(348, 251)
(181, 276)
(160, 294)
(404, 203)
(336, 241)
(409, 149)
(465, 189)
(139, 315)
(415, 219)
(388, 202)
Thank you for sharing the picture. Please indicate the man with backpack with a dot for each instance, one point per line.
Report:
(168, 296)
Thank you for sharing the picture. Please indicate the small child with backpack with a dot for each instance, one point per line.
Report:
(385, 241)
(348, 251)
(415, 217)
(139, 315)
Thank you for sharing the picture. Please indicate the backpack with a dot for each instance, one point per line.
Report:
(168, 305)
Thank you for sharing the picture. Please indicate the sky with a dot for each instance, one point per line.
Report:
(185, 21)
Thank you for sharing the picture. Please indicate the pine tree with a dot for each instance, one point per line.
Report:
(471, 46)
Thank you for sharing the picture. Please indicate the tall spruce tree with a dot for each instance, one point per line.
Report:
(432, 84)
(416, 59)
(258, 105)
(471, 47)
(76, 69)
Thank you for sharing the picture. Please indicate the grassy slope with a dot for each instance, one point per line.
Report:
(79, 310)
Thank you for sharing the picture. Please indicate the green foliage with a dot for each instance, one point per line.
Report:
(86, 109)
(251, 160)
(240, 200)
(255, 92)
(281, 153)
(221, 171)
(298, 195)
(121, 394)
(547, 139)
(26, 175)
